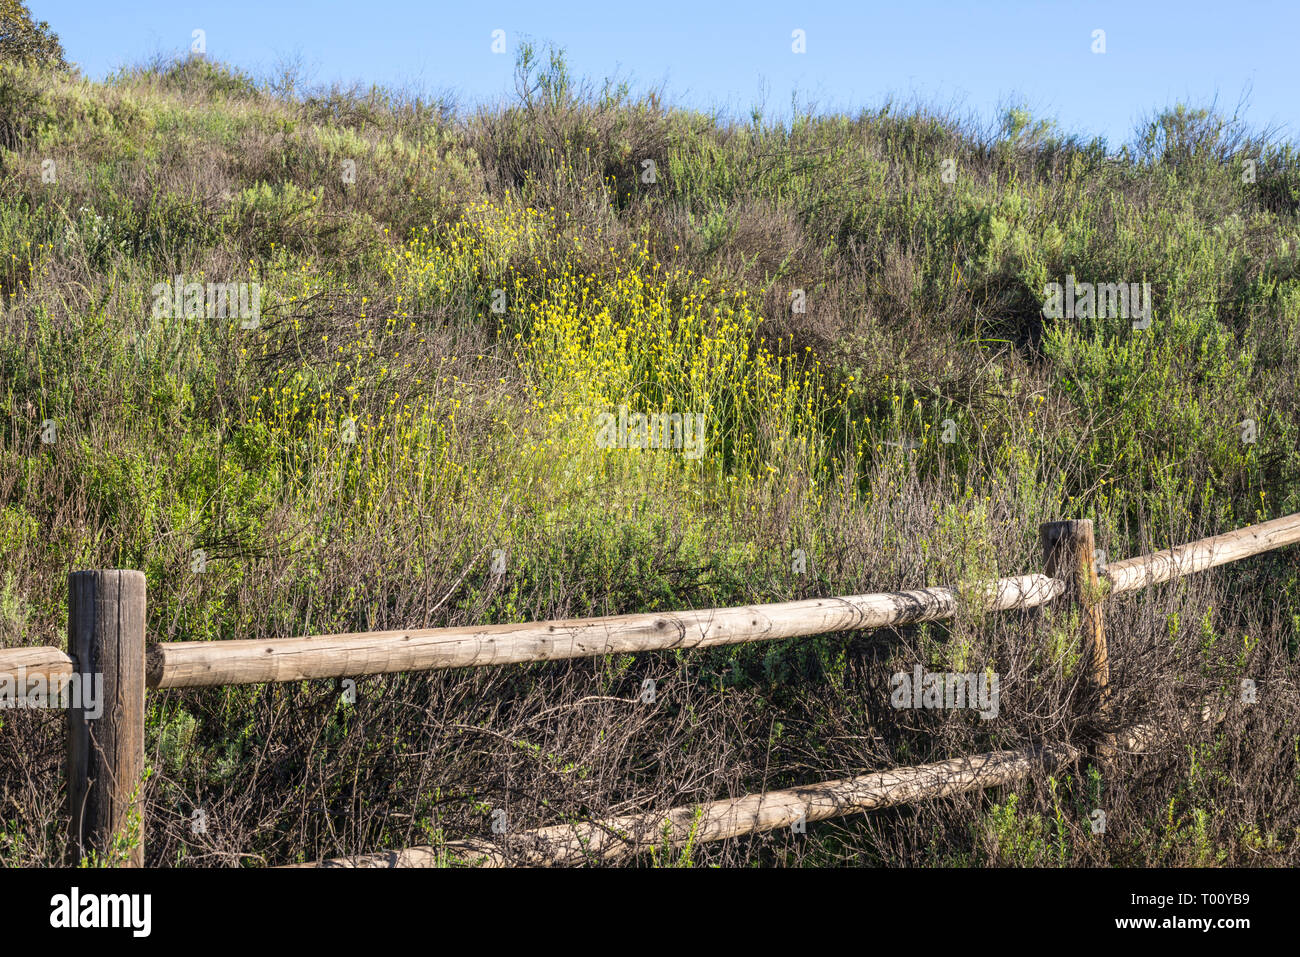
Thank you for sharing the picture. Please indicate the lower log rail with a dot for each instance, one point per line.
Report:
(619, 837)
(567, 845)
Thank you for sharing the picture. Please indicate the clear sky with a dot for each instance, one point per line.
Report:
(976, 58)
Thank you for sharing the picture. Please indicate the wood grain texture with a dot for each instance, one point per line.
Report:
(1135, 573)
(106, 625)
(197, 664)
(1069, 554)
(49, 663)
(614, 838)
(194, 664)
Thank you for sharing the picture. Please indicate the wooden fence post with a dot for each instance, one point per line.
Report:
(106, 623)
(1069, 554)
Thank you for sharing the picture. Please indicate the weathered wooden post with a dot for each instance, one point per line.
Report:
(106, 621)
(1069, 554)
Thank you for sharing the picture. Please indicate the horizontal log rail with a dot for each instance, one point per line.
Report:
(1135, 573)
(49, 664)
(189, 664)
(197, 663)
(618, 837)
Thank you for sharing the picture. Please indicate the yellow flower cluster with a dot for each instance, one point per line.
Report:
(585, 341)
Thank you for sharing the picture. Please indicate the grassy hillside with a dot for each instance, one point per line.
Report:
(451, 299)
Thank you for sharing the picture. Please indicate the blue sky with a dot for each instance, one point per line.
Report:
(975, 58)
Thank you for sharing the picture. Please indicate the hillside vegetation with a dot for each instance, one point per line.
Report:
(450, 299)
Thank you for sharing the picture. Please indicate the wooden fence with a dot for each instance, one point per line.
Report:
(106, 636)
